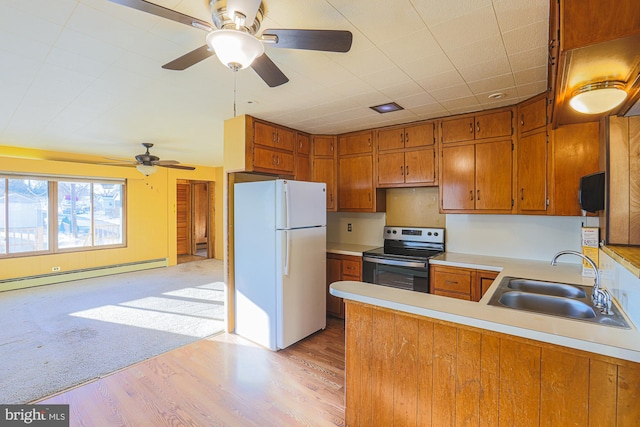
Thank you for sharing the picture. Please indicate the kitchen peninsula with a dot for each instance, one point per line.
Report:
(422, 359)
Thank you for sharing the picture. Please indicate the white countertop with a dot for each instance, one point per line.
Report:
(348, 248)
(606, 340)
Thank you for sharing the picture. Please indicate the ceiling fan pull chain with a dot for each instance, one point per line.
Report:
(235, 76)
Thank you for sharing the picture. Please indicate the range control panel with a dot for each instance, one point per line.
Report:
(414, 234)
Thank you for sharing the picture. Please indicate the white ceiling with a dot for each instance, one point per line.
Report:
(85, 76)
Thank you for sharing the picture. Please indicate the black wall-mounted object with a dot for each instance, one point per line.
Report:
(592, 192)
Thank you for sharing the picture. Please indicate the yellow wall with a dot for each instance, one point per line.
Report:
(150, 207)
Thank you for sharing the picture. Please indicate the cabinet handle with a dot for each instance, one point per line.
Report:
(478, 194)
(401, 137)
(401, 170)
(477, 127)
(331, 197)
(450, 282)
(522, 119)
(273, 160)
(300, 144)
(470, 194)
(470, 127)
(369, 142)
(407, 168)
(369, 196)
(406, 137)
(273, 136)
(331, 146)
(522, 194)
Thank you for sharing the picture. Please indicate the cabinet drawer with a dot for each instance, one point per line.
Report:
(466, 297)
(453, 282)
(350, 268)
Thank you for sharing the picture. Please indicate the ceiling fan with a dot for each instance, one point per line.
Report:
(233, 37)
(146, 163)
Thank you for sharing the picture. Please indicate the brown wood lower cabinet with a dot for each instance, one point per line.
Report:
(462, 283)
(409, 370)
(341, 267)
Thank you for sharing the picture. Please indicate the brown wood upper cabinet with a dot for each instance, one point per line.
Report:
(473, 127)
(532, 114)
(324, 166)
(356, 190)
(303, 163)
(273, 136)
(407, 156)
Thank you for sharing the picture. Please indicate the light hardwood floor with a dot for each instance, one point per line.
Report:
(221, 381)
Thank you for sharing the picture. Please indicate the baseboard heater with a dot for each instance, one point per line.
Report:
(85, 273)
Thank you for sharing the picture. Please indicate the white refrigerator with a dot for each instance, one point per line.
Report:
(279, 261)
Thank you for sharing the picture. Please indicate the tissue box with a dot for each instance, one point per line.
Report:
(590, 239)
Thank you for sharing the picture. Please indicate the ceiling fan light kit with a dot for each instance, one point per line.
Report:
(598, 97)
(235, 49)
(146, 169)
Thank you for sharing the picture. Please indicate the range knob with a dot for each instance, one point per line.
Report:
(435, 234)
(394, 231)
(388, 231)
(429, 233)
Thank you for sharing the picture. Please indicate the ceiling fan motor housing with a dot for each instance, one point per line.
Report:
(223, 20)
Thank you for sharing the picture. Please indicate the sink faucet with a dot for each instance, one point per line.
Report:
(601, 297)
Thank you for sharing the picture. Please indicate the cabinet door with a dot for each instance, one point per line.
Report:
(355, 183)
(494, 171)
(458, 129)
(458, 175)
(324, 171)
(494, 125)
(420, 166)
(390, 168)
(532, 172)
(285, 139)
(264, 134)
(334, 274)
(355, 144)
(302, 144)
(303, 168)
(275, 161)
(485, 280)
(533, 115)
(324, 146)
(390, 139)
(419, 135)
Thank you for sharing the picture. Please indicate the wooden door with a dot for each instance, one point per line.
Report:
(200, 213)
(458, 130)
(264, 134)
(303, 168)
(532, 115)
(335, 306)
(183, 219)
(324, 171)
(390, 168)
(494, 171)
(494, 125)
(302, 144)
(419, 135)
(532, 172)
(390, 139)
(355, 182)
(420, 166)
(355, 144)
(284, 139)
(324, 146)
(458, 174)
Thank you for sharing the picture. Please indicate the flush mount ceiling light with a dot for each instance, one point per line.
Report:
(235, 49)
(146, 169)
(497, 95)
(387, 108)
(598, 97)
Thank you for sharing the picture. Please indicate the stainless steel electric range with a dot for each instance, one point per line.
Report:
(403, 261)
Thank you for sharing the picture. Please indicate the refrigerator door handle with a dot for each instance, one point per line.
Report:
(287, 253)
(287, 208)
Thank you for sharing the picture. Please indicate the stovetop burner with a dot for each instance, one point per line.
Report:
(410, 243)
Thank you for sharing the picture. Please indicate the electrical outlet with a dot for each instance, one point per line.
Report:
(55, 268)
(349, 228)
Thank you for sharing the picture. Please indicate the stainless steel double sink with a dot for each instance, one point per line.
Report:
(556, 299)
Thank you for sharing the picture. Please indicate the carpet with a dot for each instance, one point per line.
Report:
(58, 336)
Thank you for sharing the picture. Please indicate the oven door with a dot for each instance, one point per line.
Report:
(404, 274)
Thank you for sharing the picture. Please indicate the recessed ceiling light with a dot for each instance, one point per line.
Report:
(497, 95)
(387, 108)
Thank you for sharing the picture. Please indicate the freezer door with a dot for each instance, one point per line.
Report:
(300, 204)
(301, 291)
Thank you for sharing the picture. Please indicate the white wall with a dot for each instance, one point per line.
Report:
(366, 228)
(515, 236)
(624, 286)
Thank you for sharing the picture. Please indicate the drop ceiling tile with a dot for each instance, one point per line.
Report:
(461, 103)
(56, 12)
(452, 92)
(486, 70)
(528, 58)
(440, 81)
(480, 51)
(430, 111)
(526, 38)
(386, 77)
(363, 62)
(22, 46)
(531, 75)
(305, 14)
(464, 110)
(532, 89)
(492, 84)
(428, 66)
(434, 12)
(513, 14)
(27, 26)
(409, 46)
(405, 88)
(76, 63)
(455, 33)
(88, 47)
(416, 100)
(371, 99)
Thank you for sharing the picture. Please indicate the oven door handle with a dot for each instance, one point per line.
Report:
(398, 263)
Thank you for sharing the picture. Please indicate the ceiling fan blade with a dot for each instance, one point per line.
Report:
(163, 12)
(189, 59)
(247, 7)
(268, 71)
(188, 168)
(324, 40)
(165, 162)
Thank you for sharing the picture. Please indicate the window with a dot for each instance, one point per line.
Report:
(46, 216)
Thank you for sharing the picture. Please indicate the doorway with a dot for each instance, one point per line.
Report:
(194, 220)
